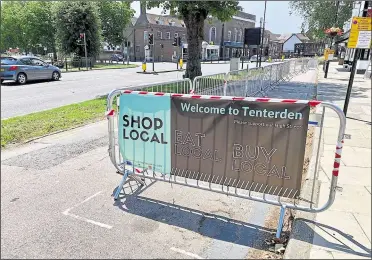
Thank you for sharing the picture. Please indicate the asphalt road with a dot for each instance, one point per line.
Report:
(76, 87)
(56, 203)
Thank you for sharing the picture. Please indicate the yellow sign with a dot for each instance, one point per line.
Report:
(360, 33)
(327, 52)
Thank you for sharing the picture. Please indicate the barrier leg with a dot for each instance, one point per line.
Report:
(120, 187)
(281, 220)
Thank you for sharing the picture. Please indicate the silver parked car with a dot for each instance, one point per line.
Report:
(24, 69)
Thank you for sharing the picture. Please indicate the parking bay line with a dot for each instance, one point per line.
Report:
(185, 253)
(67, 213)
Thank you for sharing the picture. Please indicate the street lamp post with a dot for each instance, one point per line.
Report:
(327, 62)
(263, 32)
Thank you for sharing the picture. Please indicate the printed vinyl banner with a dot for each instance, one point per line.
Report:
(224, 141)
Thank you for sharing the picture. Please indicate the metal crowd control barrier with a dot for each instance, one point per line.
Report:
(249, 82)
(178, 86)
(285, 198)
(209, 85)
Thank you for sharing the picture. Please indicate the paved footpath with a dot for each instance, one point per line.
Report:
(344, 230)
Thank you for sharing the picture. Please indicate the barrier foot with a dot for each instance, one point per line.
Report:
(281, 220)
(141, 181)
(120, 187)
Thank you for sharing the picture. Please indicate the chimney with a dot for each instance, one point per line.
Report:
(143, 7)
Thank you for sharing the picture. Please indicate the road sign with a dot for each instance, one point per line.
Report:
(328, 54)
(360, 33)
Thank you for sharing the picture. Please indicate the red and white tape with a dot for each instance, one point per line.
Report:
(256, 99)
(336, 164)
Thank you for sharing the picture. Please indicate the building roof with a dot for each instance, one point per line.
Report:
(302, 37)
(168, 20)
(284, 37)
(273, 36)
(171, 20)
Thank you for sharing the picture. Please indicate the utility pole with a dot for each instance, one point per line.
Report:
(263, 32)
(353, 67)
(82, 35)
(86, 53)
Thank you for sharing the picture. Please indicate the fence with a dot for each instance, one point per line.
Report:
(156, 115)
(250, 82)
(73, 64)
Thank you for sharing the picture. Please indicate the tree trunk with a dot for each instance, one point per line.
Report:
(195, 31)
(54, 50)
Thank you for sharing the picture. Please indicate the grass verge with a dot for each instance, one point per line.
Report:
(22, 128)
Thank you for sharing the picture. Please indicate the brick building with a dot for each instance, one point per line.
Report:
(221, 40)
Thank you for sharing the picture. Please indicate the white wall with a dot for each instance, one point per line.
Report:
(289, 45)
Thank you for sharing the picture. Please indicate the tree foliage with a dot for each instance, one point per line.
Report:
(27, 25)
(73, 18)
(194, 13)
(115, 16)
(11, 25)
(40, 27)
(321, 14)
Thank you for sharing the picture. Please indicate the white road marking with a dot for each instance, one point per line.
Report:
(185, 253)
(88, 220)
(67, 213)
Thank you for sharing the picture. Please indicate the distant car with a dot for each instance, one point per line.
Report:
(254, 58)
(116, 57)
(24, 69)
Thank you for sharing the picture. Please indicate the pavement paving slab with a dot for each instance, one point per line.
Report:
(343, 231)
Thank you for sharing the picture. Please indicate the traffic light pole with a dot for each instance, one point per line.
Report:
(153, 55)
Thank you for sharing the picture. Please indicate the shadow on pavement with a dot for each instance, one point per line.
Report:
(206, 224)
(337, 92)
(331, 231)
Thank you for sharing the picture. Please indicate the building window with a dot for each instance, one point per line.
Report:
(137, 48)
(235, 35)
(229, 36)
(168, 35)
(175, 34)
(212, 34)
(145, 35)
(240, 35)
(160, 35)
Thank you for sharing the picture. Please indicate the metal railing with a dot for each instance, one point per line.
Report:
(250, 82)
(209, 85)
(286, 199)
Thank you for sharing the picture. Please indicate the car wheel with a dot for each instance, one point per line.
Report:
(21, 78)
(55, 76)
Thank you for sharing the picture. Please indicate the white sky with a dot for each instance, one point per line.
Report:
(278, 19)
